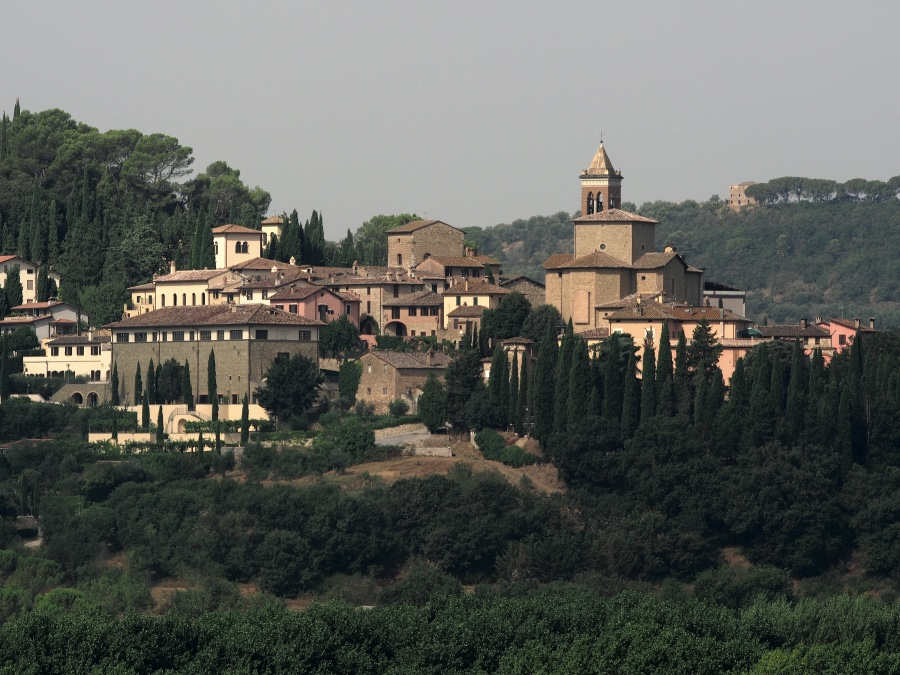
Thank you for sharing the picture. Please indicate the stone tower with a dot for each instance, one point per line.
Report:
(601, 185)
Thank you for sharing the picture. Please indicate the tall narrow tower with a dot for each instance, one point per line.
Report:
(601, 185)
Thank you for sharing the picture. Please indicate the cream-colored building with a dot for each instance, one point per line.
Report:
(235, 244)
(465, 302)
(28, 274)
(87, 356)
(272, 226)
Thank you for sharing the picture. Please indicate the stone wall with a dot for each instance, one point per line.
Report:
(437, 239)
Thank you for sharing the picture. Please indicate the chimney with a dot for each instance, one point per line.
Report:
(172, 267)
(469, 252)
(818, 319)
(429, 357)
(802, 323)
(467, 288)
(355, 267)
(857, 323)
(872, 322)
(293, 260)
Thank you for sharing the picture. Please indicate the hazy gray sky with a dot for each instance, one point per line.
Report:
(474, 112)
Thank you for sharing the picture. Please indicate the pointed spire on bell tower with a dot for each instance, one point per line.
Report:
(601, 185)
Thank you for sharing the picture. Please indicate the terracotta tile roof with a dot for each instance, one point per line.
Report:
(457, 261)
(486, 259)
(180, 276)
(851, 324)
(480, 287)
(143, 287)
(467, 312)
(261, 264)
(643, 312)
(557, 260)
(401, 360)
(7, 258)
(654, 311)
(78, 340)
(416, 225)
(594, 333)
(215, 315)
(506, 281)
(349, 296)
(24, 319)
(655, 260)
(613, 216)
(297, 292)
(793, 331)
(627, 301)
(40, 305)
(595, 260)
(273, 220)
(234, 229)
(517, 341)
(417, 299)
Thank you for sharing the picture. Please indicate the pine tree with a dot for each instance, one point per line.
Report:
(138, 385)
(648, 384)
(631, 399)
(159, 426)
(212, 389)
(544, 381)
(580, 385)
(665, 384)
(187, 390)
(114, 385)
(245, 421)
(561, 389)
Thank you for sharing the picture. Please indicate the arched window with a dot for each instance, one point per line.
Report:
(216, 247)
(599, 202)
(203, 298)
(174, 300)
(237, 247)
(184, 298)
(590, 203)
(193, 298)
(162, 299)
(244, 248)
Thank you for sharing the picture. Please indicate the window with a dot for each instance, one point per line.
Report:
(206, 335)
(154, 336)
(193, 298)
(396, 291)
(150, 299)
(174, 300)
(368, 290)
(842, 339)
(265, 294)
(458, 300)
(54, 351)
(177, 336)
(215, 295)
(95, 350)
(435, 311)
(203, 298)
(395, 312)
(235, 335)
(292, 309)
(29, 284)
(262, 334)
(384, 390)
(412, 311)
(475, 300)
(368, 306)
(399, 260)
(283, 356)
(184, 299)
(220, 335)
(464, 272)
(248, 294)
(476, 273)
(370, 369)
(191, 336)
(434, 288)
(412, 333)
(643, 277)
(244, 249)
(140, 337)
(347, 308)
(68, 351)
(305, 335)
(234, 396)
(121, 337)
(237, 247)
(216, 247)
(163, 300)
(79, 351)
(165, 336)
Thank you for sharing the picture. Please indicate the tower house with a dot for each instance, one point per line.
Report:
(601, 185)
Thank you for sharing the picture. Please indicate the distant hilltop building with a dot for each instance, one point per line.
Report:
(737, 196)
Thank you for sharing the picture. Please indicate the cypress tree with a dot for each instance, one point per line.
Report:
(43, 290)
(212, 390)
(476, 345)
(795, 410)
(776, 388)
(544, 382)
(4, 135)
(843, 437)
(561, 390)
(503, 398)
(665, 382)
(114, 385)
(138, 384)
(524, 396)
(580, 384)
(245, 421)
(187, 390)
(739, 395)
(150, 385)
(16, 110)
(762, 408)
(613, 382)
(631, 399)
(159, 426)
(145, 413)
(13, 287)
(648, 384)
(200, 447)
(4, 371)
(513, 405)
(495, 388)
(115, 426)
(715, 395)
(683, 394)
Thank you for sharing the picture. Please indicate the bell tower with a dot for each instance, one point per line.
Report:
(601, 185)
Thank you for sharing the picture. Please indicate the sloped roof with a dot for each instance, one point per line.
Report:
(467, 312)
(517, 341)
(851, 324)
(189, 275)
(654, 311)
(655, 260)
(793, 331)
(78, 340)
(293, 292)
(417, 299)
(457, 261)
(261, 264)
(41, 305)
(215, 315)
(594, 333)
(481, 287)
(557, 260)
(506, 281)
(273, 220)
(234, 229)
(613, 216)
(416, 225)
(143, 287)
(413, 360)
(597, 259)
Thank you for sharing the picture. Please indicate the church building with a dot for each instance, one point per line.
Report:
(614, 256)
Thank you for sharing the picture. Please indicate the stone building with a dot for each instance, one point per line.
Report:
(410, 244)
(389, 376)
(414, 314)
(534, 291)
(737, 196)
(614, 255)
(246, 339)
